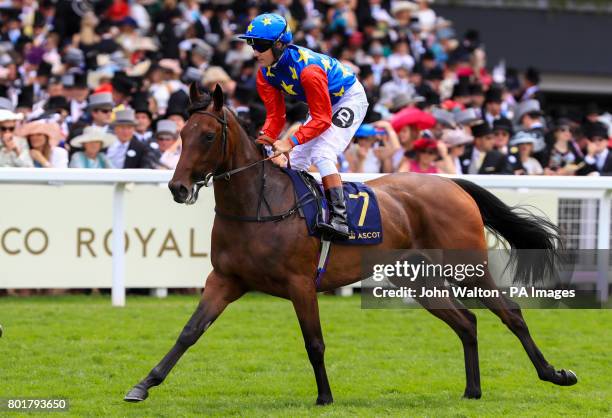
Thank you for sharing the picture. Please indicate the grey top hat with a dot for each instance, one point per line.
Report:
(467, 117)
(523, 137)
(125, 117)
(166, 126)
(101, 101)
(202, 49)
(455, 137)
(528, 106)
(402, 100)
(6, 104)
(443, 117)
(310, 24)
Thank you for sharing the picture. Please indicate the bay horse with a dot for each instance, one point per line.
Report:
(251, 253)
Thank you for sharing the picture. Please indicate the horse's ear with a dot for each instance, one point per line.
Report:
(218, 98)
(194, 93)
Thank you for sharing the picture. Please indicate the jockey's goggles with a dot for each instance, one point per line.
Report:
(260, 45)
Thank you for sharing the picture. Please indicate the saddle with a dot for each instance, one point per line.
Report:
(363, 213)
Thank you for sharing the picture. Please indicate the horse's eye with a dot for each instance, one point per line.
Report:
(209, 136)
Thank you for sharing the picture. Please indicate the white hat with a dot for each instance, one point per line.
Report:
(6, 115)
(93, 134)
(401, 6)
(94, 77)
(523, 137)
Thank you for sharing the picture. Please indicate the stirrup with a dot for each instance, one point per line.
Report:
(331, 233)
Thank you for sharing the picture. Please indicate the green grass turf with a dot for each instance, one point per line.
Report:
(252, 361)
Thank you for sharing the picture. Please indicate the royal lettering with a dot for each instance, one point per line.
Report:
(34, 241)
(90, 243)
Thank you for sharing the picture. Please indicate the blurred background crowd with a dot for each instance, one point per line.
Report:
(104, 84)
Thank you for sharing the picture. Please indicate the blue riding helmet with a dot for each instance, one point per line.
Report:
(367, 130)
(270, 27)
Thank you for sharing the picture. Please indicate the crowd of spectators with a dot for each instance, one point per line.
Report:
(102, 84)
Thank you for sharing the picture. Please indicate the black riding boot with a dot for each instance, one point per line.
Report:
(338, 227)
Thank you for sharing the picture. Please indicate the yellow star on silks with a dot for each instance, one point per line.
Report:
(288, 88)
(250, 28)
(304, 56)
(326, 64)
(340, 93)
(345, 72)
(266, 21)
(269, 72)
(293, 73)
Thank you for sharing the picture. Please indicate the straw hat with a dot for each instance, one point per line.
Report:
(48, 128)
(144, 43)
(170, 65)
(215, 74)
(93, 134)
(403, 6)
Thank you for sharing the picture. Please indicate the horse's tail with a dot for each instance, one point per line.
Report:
(535, 242)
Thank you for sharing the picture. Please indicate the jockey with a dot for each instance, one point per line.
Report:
(336, 100)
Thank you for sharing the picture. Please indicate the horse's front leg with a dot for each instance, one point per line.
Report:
(219, 292)
(303, 295)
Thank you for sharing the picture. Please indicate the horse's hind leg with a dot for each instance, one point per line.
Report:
(218, 293)
(463, 322)
(510, 314)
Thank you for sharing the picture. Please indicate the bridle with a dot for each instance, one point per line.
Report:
(226, 175)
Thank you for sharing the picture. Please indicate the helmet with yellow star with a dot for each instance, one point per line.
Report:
(268, 27)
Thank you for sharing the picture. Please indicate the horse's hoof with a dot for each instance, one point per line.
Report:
(472, 394)
(137, 394)
(325, 400)
(569, 377)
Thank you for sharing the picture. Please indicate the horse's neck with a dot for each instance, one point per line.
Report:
(240, 195)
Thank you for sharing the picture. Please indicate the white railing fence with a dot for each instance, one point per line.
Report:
(582, 204)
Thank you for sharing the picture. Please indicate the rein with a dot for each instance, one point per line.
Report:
(228, 174)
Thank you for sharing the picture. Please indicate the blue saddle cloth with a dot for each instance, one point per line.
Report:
(362, 207)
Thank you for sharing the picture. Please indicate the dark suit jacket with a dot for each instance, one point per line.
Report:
(138, 155)
(494, 162)
(589, 168)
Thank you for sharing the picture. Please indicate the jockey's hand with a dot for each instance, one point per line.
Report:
(283, 145)
(280, 160)
(264, 140)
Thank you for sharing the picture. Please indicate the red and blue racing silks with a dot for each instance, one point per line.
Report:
(314, 78)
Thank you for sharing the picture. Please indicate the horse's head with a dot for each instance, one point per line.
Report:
(204, 144)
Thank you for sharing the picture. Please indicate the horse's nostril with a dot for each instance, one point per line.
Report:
(183, 191)
(179, 191)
